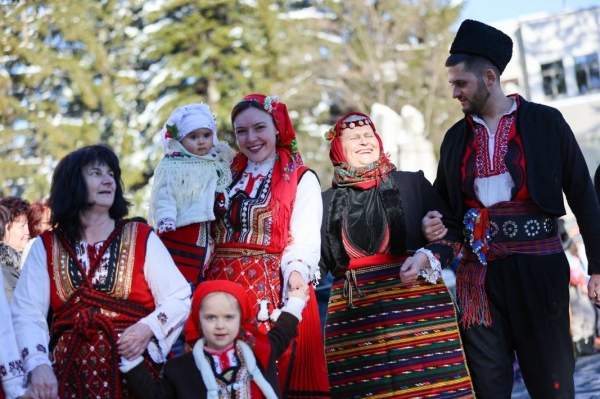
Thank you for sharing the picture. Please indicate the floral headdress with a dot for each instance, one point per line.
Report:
(287, 169)
(286, 140)
(281, 118)
(345, 175)
(345, 124)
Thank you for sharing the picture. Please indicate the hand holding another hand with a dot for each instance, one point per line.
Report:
(409, 271)
(134, 340)
(433, 227)
(301, 293)
(295, 281)
(43, 383)
(593, 289)
(297, 287)
(166, 225)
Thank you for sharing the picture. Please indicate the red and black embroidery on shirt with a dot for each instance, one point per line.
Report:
(249, 218)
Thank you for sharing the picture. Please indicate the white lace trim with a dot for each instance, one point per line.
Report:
(432, 273)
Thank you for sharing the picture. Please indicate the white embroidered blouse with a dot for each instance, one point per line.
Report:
(497, 187)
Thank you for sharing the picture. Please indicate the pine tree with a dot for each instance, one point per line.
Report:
(364, 51)
(81, 72)
(77, 72)
(211, 51)
(200, 51)
(65, 86)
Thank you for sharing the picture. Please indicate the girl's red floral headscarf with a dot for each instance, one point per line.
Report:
(345, 175)
(193, 331)
(287, 170)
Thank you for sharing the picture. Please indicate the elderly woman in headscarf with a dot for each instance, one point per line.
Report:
(13, 240)
(391, 326)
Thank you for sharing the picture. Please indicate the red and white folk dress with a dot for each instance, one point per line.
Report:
(95, 291)
(249, 252)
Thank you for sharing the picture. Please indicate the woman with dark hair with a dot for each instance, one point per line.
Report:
(268, 240)
(13, 239)
(85, 178)
(391, 328)
(111, 285)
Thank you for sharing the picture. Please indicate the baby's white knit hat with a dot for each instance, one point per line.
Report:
(186, 119)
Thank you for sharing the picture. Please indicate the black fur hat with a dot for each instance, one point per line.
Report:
(477, 38)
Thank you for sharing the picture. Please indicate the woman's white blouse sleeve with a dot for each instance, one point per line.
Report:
(304, 250)
(11, 365)
(171, 294)
(30, 304)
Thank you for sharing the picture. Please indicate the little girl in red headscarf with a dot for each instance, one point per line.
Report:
(230, 357)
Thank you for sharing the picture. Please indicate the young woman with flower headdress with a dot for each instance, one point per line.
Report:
(268, 238)
(391, 328)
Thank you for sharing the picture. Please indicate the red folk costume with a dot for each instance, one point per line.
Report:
(244, 369)
(251, 237)
(507, 154)
(491, 171)
(95, 292)
(89, 314)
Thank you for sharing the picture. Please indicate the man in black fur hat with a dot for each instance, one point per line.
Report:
(503, 170)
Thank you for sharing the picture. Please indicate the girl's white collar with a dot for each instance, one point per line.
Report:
(212, 388)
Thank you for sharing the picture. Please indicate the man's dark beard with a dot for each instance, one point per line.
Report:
(479, 100)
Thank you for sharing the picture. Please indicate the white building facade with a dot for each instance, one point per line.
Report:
(556, 62)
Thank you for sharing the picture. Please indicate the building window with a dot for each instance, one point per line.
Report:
(553, 75)
(587, 73)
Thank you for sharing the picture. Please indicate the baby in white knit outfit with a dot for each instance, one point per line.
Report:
(193, 174)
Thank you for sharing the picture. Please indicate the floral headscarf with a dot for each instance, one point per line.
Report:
(345, 175)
